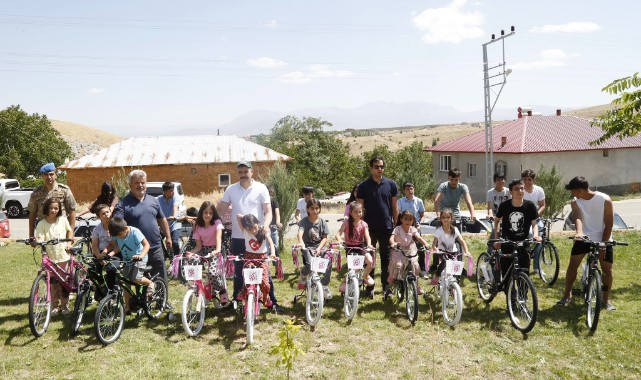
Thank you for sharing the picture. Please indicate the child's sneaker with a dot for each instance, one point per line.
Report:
(64, 310)
(327, 294)
(55, 311)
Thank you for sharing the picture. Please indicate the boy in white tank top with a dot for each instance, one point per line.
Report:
(594, 217)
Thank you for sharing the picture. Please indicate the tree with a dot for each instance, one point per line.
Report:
(412, 164)
(555, 194)
(286, 190)
(27, 142)
(624, 120)
(409, 164)
(320, 159)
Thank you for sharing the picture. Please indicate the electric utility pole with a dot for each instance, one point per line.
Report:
(498, 78)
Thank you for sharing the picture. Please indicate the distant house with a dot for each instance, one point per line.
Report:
(531, 141)
(201, 163)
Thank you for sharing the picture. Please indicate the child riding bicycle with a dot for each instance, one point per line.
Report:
(357, 235)
(133, 247)
(257, 240)
(52, 227)
(403, 236)
(312, 237)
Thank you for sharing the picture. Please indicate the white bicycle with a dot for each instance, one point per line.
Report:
(313, 290)
(448, 289)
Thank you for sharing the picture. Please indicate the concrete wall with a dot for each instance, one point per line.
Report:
(195, 178)
(616, 174)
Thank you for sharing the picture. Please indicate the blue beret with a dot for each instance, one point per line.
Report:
(46, 168)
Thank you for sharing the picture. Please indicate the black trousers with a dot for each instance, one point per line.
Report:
(381, 238)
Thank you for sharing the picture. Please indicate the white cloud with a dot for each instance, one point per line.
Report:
(266, 62)
(295, 77)
(271, 24)
(549, 59)
(313, 73)
(571, 27)
(449, 24)
(95, 91)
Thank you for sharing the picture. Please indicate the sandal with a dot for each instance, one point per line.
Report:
(564, 301)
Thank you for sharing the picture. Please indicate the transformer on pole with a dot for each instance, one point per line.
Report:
(498, 75)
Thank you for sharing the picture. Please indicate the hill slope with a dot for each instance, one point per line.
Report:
(83, 139)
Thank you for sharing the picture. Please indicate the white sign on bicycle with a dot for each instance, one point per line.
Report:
(253, 276)
(319, 264)
(355, 261)
(454, 267)
(193, 272)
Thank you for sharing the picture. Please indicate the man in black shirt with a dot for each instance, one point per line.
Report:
(516, 217)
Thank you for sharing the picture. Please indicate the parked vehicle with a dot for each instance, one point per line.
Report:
(155, 189)
(14, 198)
(5, 231)
(619, 223)
(479, 226)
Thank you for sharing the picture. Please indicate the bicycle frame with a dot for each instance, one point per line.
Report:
(61, 276)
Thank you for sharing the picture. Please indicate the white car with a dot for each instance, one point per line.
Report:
(480, 226)
(155, 189)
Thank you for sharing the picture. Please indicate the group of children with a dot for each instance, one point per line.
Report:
(313, 235)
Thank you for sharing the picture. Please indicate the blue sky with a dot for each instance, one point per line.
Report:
(135, 67)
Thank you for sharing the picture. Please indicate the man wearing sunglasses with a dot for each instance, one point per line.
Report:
(378, 195)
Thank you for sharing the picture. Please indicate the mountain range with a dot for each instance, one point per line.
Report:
(367, 116)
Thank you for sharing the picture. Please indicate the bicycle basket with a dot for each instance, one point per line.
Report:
(355, 261)
(193, 272)
(253, 276)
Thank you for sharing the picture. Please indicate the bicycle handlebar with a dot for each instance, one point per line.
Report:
(86, 220)
(238, 258)
(404, 251)
(43, 243)
(506, 241)
(587, 240)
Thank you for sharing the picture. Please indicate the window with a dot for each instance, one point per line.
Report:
(500, 167)
(223, 180)
(606, 153)
(445, 162)
(471, 170)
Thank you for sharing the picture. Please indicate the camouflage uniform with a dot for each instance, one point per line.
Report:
(41, 194)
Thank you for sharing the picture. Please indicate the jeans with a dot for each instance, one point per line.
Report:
(238, 249)
(175, 241)
(274, 235)
(538, 247)
(157, 262)
(382, 237)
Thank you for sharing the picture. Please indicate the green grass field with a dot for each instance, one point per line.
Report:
(380, 343)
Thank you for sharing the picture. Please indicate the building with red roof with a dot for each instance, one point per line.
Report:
(531, 141)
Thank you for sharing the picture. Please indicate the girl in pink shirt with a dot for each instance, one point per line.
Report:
(404, 235)
(208, 235)
(357, 235)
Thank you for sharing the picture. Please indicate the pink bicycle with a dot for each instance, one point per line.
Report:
(253, 277)
(40, 296)
(200, 291)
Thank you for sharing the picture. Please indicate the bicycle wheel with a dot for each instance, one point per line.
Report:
(483, 284)
(411, 300)
(594, 300)
(79, 307)
(193, 312)
(155, 304)
(399, 291)
(250, 314)
(109, 320)
(522, 304)
(549, 263)
(39, 306)
(314, 304)
(352, 294)
(452, 304)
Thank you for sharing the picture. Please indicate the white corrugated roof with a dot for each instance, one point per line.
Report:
(173, 150)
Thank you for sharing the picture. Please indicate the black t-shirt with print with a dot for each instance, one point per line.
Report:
(516, 221)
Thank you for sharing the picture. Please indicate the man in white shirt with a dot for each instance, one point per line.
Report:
(536, 195)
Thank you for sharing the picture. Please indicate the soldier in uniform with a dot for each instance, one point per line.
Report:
(50, 189)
